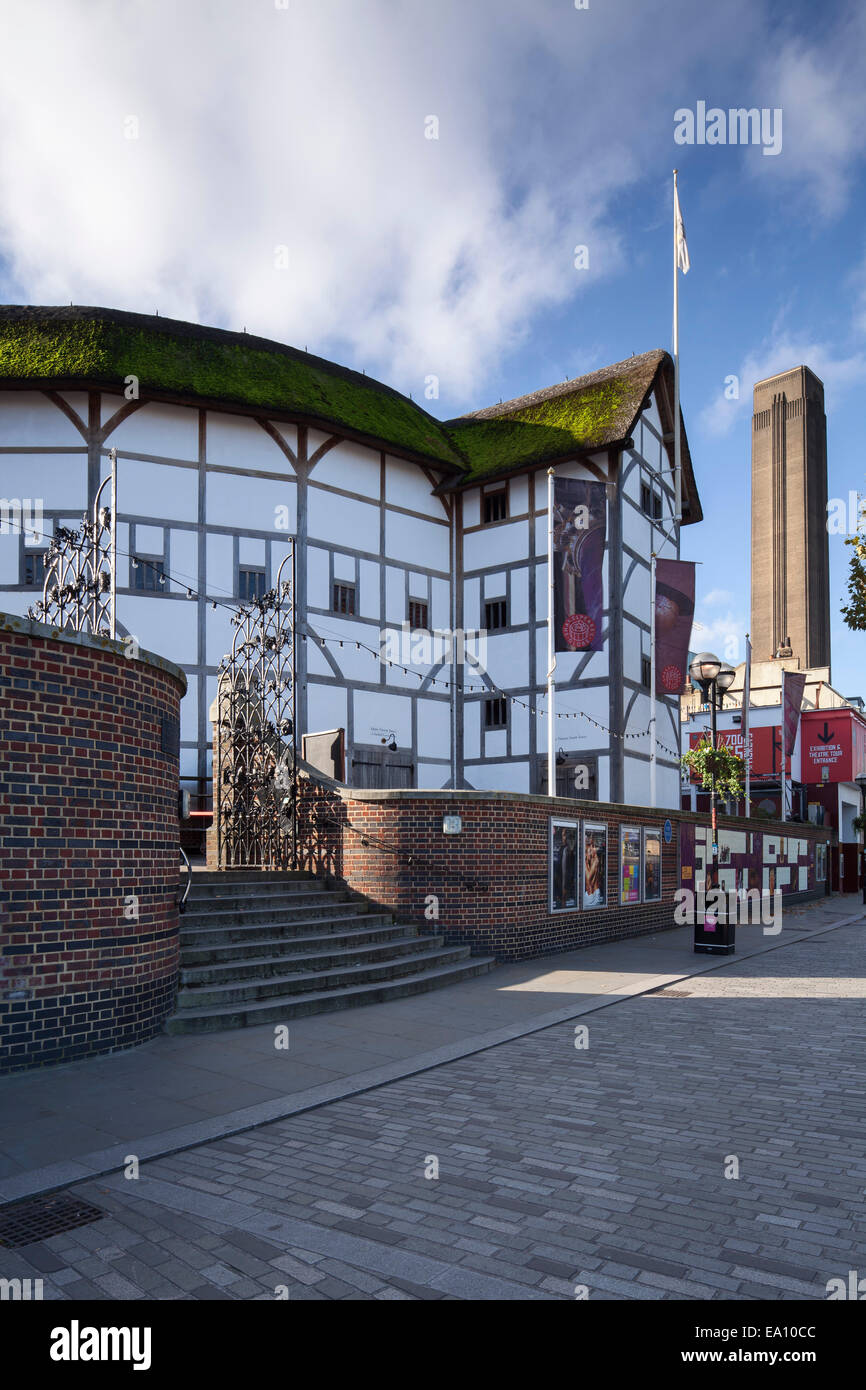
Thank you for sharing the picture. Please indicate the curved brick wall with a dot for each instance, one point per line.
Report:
(88, 817)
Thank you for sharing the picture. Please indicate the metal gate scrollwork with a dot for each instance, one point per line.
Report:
(255, 783)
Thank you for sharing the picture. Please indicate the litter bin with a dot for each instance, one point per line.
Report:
(714, 933)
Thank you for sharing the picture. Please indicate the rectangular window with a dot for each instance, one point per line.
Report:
(564, 865)
(251, 583)
(344, 598)
(646, 499)
(629, 864)
(34, 568)
(418, 614)
(576, 777)
(646, 672)
(652, 866)
(495, 506)
(148, 574)
(594, 865)
(657, 506)
(495, 614)
(495, 712)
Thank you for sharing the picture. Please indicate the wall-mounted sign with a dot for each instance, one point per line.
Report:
(668, 832)
(594, 865)
(451, 825)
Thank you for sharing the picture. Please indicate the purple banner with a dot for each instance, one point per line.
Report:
(793, 685)
(675, 611)
(579, 531)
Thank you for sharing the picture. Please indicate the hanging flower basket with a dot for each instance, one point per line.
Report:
(705, 763)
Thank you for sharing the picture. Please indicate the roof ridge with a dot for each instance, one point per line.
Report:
(565, 388)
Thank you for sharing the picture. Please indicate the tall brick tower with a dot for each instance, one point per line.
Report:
(790, 555)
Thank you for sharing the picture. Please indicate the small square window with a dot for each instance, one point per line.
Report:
(148, 574)
(418, 614)
(34, 568)
(251, 583)
(646, 671)
(495, 614)
(657, 507)
(650, 502)
(495, 712)
(344, 598)
(495, 506)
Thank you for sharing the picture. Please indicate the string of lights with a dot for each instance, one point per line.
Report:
(162, 577)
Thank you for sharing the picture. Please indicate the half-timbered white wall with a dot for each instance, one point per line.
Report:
(206, 492)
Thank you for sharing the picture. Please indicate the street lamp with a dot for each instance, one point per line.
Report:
(861, 783)
(713, 677)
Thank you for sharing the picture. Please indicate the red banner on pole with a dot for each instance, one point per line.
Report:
(675, 611)
(793, 685)
(579, 533)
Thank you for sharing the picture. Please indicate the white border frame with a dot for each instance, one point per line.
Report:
(571, 824)
(593, 826)
(637, 830)
(646, 831)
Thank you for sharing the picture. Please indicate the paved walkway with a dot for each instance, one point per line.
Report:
(80, 1119)
(706, 1144)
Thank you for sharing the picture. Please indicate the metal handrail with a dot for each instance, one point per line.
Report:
(181, 906)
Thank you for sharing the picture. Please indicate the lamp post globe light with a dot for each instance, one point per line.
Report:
(861, 783)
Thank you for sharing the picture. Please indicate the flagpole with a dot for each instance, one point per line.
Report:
(652, 722)
(677, 460)
(551, 650)
(747, 699)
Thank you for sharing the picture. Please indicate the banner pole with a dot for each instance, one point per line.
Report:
(652, 722)
(678, 484)
(551, 650)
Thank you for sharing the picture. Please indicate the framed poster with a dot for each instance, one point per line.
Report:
(594, 865)
(652, 866)
(564, 865)
(820, 862)
(629, 864)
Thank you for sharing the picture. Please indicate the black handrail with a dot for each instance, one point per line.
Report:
(181, 906)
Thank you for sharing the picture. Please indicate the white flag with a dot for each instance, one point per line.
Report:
(680, 233)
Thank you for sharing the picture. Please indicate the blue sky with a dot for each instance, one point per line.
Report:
(166, 154)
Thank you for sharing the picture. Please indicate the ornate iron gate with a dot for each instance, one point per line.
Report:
(80, 589)
(254, 760)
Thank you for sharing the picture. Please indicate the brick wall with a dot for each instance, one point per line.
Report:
(88, 819)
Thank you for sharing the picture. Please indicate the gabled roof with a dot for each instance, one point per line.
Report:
(96, 348)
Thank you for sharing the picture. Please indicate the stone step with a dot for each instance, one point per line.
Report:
(211, 1020)
(247, 915)
(285, 984)
(327, 957)
(232, 889)
(240, 934)
(197, 956)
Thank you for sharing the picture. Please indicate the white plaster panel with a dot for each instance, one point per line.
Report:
(368, 597)
(251, 503)
(219, 573)
(31, 419)
(407, 486)
(440, 615)
(512, 776)
(636, 775)
(156, 489)
(183, 559)
(279, 552)
(318, 570)
(472, 603)
(122, 559)
(635, 528)
(109, 405)
(326, 707)
(219, 630)
(472, 729)
(417, 585)
(189, 713)
(251, 551)
(10, 551)
(519, 608)
(652, 414)
(414, 541)
(348, 466)
(506, 658)
(495, 584)
(149, 540)
(343, 520)
(433, 776)
(472, 507)
(495, 743)
(289, 433)
(434, 729)
(236, 441)
(495, 546)
(518, 495)
(385, 711)
(164, 626)
(344, 566)
(167, 431)
(519, 718)
(59, 480)
(395, 595)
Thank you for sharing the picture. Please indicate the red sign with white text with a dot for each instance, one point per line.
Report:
(765, 744)
(832, 739)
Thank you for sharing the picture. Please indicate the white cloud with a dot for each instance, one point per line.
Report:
(303, 127)
(722, 633)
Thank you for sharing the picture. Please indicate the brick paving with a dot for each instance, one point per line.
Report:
(558, 1167)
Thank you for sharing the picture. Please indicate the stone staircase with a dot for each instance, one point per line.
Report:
(278, 945)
